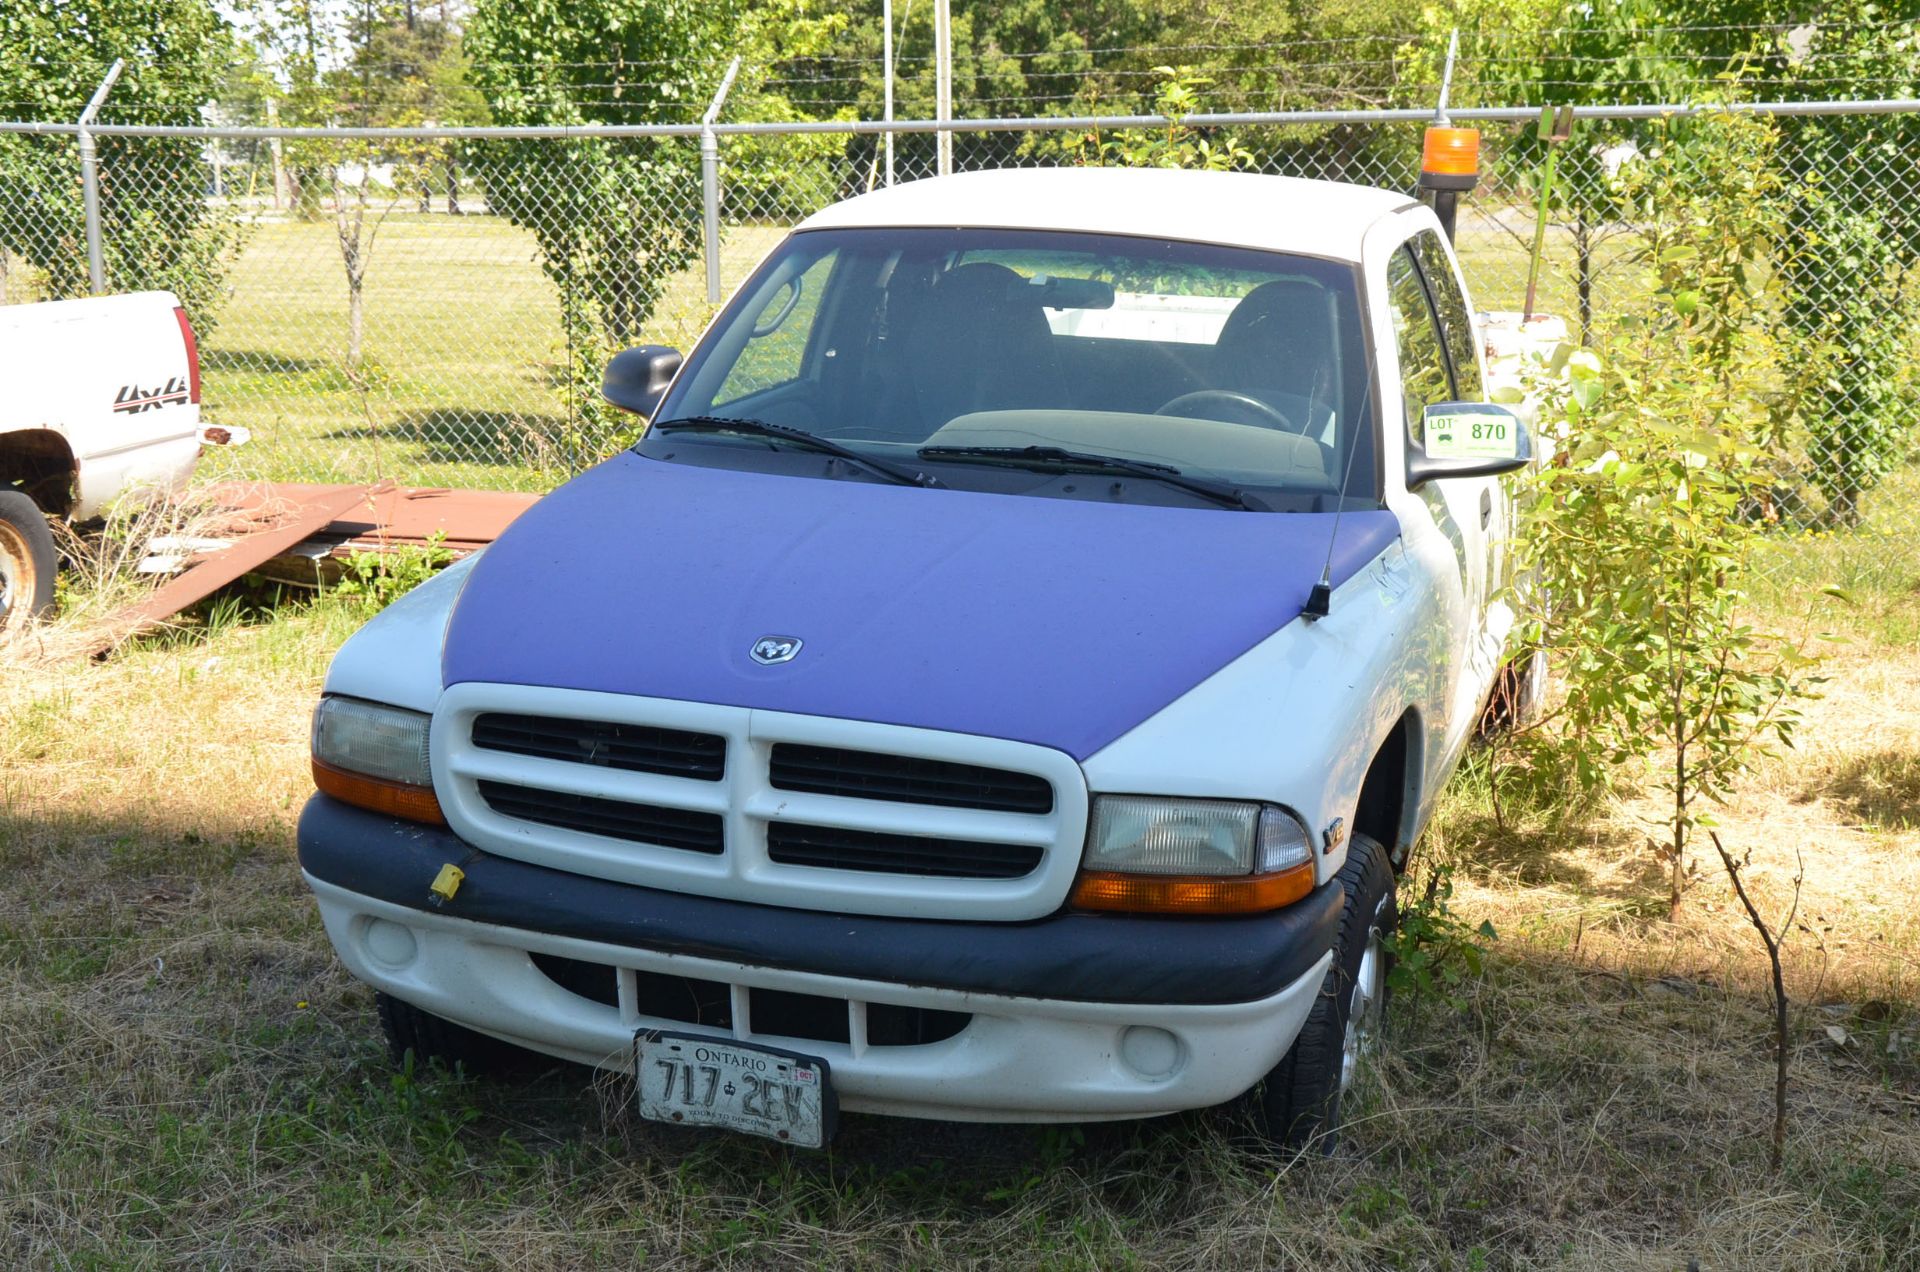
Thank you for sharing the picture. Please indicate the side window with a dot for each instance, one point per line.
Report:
(1423, 361)
(1456, 323)
(776, 351)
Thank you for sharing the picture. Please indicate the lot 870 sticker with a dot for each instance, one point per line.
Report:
(1472, 435)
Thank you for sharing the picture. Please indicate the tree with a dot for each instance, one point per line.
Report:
(613, 219)
(408, 68)
(295, 39)
(1533, 54)
(1045, 57)
(158, 229)
(404, 70)
(1177, 144)
(1639, 537)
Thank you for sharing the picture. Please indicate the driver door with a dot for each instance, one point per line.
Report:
(1462, 508)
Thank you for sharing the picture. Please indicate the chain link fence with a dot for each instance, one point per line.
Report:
(434, 305)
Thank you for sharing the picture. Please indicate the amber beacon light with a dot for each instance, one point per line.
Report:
(1450, 158)
(1449, 166)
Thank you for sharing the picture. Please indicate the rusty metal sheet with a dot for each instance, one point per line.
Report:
(467, 519)
(215, 570)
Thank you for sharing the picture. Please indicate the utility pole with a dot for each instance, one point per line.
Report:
(943, 80)
(886, 57)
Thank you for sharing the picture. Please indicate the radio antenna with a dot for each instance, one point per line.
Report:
(1320, 599)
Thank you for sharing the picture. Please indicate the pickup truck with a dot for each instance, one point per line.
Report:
(103, 396)
(1003, 683)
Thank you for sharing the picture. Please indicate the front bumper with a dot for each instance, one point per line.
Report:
(1078, 1017)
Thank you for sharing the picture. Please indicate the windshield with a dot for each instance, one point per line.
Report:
(999, 359)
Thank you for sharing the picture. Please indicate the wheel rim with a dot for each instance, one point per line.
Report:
(1364, 1011)
(17, 581)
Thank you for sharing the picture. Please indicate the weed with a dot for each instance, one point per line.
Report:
(375, 580)
(1434, 950)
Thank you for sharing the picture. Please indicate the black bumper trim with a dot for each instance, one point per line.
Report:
(1103, 958)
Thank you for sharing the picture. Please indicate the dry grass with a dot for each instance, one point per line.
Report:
(187, 1077)
(100, 574)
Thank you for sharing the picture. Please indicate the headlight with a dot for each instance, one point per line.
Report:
(1192, 856)
(375, 757)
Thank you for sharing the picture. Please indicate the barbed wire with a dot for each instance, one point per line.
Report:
(1317, 68)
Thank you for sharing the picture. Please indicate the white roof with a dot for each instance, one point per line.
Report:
(1283, 214)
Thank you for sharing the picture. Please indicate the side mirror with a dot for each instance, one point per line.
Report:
(1467, 439)
(637, 378)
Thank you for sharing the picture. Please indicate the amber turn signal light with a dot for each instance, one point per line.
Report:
(395, 799)
(1191, 894)
(1450, 158)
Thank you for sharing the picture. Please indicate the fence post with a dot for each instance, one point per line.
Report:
(943, 83)
(886, 100)
(710, 183)
(90, 179)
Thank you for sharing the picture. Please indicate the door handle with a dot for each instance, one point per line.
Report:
(1486, 508)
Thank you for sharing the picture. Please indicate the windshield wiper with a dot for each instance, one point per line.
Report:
(798, 436)
(1054, 458)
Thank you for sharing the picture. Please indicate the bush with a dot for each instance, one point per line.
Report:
(1638, 535)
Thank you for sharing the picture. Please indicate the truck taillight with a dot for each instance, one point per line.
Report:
(193, 354)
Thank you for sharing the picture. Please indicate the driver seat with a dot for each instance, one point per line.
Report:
(1278, 344)
(980, 341)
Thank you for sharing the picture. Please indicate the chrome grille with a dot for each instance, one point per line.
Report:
(849, 816)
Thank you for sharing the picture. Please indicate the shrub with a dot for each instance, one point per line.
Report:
(1639, 533)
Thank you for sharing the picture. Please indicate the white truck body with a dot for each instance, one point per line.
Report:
(106, 387)
(952, 652)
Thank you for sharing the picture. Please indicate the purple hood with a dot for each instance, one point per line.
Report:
(1041, 620)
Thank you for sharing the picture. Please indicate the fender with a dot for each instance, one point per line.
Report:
(395, 658)
(1297, 719)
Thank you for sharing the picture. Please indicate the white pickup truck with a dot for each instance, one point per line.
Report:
(1003, 684)
(102, 396)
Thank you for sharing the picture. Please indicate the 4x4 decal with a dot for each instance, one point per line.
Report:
(132, 399)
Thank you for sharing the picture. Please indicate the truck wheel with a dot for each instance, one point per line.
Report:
(1298, 1106)
(26, 561)
(430, 1037)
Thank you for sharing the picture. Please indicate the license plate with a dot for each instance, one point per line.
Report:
(699, 1081)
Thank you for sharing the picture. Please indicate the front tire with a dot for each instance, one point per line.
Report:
(1298, 1105)
(26, 561)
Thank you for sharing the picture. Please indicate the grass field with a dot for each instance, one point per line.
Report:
(188, 1078)
(461, 383)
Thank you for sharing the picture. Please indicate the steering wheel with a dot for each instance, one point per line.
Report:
(1241, 408)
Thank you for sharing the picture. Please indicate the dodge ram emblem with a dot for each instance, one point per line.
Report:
(769, 650)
